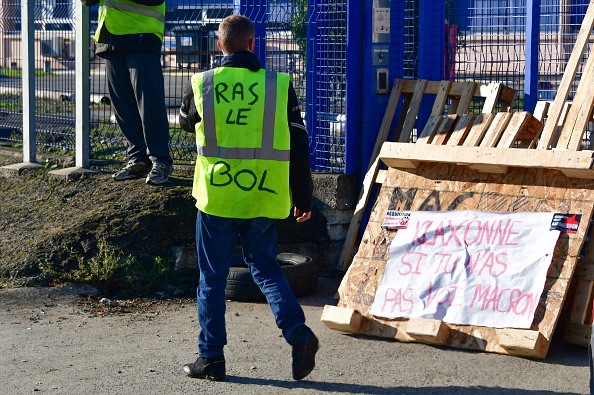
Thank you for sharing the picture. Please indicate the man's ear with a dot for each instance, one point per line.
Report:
(219, 45)
(251, 44)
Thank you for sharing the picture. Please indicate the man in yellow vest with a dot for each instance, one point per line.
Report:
(129, 37)
(252, 167)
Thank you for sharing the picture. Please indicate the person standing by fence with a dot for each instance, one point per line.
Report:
(129, 38)
(253, 164)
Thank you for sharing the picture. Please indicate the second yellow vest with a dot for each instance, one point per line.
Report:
(126, 17)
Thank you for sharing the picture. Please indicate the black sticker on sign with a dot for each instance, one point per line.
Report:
(566, 223)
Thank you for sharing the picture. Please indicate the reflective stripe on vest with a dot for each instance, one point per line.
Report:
(127, 7)
(266, 150)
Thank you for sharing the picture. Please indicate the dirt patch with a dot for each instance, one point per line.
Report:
(52, 224)
(94, 306)
(54, 229)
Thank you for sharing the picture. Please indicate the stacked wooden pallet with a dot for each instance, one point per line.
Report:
(453, 98)
(481, 162)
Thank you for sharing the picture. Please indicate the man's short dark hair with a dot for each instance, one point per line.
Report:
(235, 33)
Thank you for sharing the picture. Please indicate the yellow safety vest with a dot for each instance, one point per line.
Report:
(243, 141)
(126, 17)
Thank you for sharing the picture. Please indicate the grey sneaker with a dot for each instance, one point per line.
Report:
(159, 174)
(132, 170)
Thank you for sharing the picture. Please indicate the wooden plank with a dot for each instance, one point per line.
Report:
(349, 243)
(428, 331)
(401, 117)
(381, 176)
(457, 88)
(564, 89)
(557, 129)
(489, 168)
(430, 129)
(393, 154)
(530, 128)
(507, 96)
(540, 113)
(411, 115)
(479, 128)
(495, 94)
(461, 129)
(580, 113)
(526, 343)
(412, 91)
(581, 301)
(578, 334)
(584, 271)
(490, 104)
(460, 106)
(585, 267)
(342, 319)
(445, 129)
(523, 126)
(493, 134)
(541, 110)
(441, 98)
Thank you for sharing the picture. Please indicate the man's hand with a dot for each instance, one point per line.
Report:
(301, 216)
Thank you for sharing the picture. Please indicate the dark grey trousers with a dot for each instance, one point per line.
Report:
(136, 88)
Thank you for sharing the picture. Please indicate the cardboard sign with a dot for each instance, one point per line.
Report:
(467, 267)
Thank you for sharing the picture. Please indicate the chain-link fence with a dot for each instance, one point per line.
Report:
(189, 46)
(483, 40)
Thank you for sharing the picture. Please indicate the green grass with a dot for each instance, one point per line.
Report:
(18, 73)
(111, 268)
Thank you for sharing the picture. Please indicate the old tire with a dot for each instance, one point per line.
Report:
(300, 271)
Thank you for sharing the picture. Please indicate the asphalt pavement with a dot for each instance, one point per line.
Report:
(52, 342)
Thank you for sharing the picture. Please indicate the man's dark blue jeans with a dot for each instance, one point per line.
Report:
(216, 239)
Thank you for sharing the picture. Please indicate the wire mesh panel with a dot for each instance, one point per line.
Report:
(11, 109)
(484, 41)
(286, 32)
(328, 71)
(560, 23)
(411, 42)
(54, 82)
(487, 39)
(488, 42)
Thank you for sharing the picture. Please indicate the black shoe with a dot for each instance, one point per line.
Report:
(207, 368)
(159, 174)
(133, 170)
(305, 345)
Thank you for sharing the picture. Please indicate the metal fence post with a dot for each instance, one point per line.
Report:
(82, 96)
(311, 79)
(28, 76)
(28, 89)
(354, 100)
(431, 58)
(532, 45)
(381, 52)
(82, 90)
(431, 39)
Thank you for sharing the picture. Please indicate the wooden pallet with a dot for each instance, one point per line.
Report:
(490, 165)
(450, 128)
